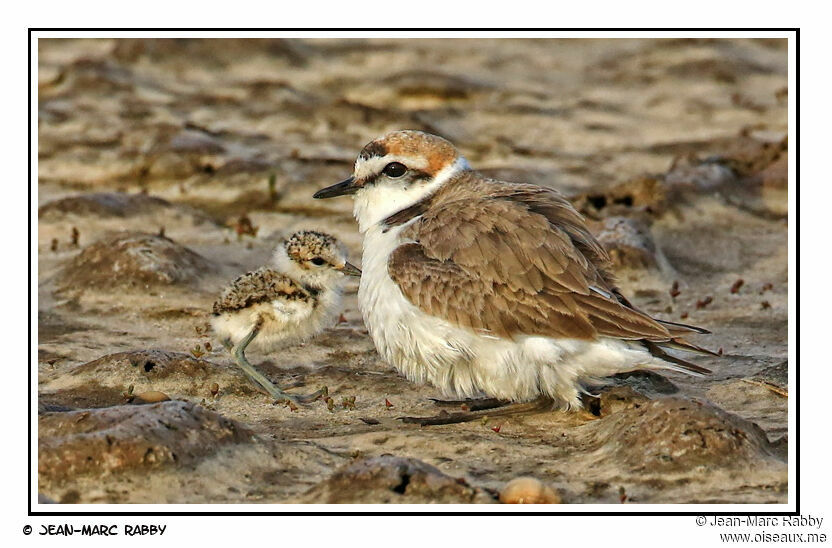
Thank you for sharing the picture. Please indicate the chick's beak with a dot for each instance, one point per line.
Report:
(350, 270)
(343, 188)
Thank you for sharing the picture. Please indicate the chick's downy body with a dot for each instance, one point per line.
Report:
(288, 312)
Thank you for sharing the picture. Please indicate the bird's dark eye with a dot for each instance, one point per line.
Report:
(318, 261)
(394, 169)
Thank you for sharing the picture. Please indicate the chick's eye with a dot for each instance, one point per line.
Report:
(318, 261)
(394, 169)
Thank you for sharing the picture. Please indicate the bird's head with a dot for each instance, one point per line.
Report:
(396, 171)
(314, 259)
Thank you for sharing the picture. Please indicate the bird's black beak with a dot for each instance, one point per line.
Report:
(343, 188)
(351, 270)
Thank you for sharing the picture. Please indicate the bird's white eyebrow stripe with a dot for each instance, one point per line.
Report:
(364, 169)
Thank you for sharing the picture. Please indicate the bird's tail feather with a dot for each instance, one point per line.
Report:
(679, 343)
(682, 328)
(678, 364)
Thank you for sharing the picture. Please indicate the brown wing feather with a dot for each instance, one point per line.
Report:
(508, 259)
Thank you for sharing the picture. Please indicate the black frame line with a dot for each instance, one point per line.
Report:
(796, 221)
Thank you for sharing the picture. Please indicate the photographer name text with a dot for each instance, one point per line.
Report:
(102, 530)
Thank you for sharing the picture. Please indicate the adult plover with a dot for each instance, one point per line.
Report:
(480, 286)
(276, 307)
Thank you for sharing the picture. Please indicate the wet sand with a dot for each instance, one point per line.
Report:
(168, 167)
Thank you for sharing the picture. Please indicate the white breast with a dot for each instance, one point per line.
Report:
(422, 347)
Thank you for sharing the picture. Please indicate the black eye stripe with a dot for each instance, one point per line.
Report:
(413, 175)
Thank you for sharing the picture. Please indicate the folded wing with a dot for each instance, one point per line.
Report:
(519, 260)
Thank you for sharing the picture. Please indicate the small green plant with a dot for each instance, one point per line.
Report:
(197, 351)
(273, 187)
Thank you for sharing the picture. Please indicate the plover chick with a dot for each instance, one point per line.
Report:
(486, 287)
(284, 304)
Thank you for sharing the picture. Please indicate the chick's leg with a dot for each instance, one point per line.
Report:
(239, 352)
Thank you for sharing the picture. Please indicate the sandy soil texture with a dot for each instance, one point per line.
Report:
(168, 167)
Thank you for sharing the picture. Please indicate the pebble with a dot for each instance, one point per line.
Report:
(152, 396)
(526, 490)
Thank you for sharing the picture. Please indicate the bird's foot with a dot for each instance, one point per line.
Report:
(284, 397)
(277, 394)
(540, 404)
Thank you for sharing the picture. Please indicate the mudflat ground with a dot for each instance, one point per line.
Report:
(168, 167)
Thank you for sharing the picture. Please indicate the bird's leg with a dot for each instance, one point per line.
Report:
(472, 404)
(540, 404)
(275, 392)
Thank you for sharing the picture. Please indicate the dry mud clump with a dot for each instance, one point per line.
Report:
(123, 438)
(751, 174)
(139, 365)
(176, 374)
(133, 260)
(102, 204)
(639, 196)
(629, 243)
(675, 434)
(388, 479)
(76, 220)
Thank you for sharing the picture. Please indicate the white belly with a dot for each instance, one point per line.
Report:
(283, 323)
(462, 363)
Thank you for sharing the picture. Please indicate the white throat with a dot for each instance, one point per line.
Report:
(376, 202)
